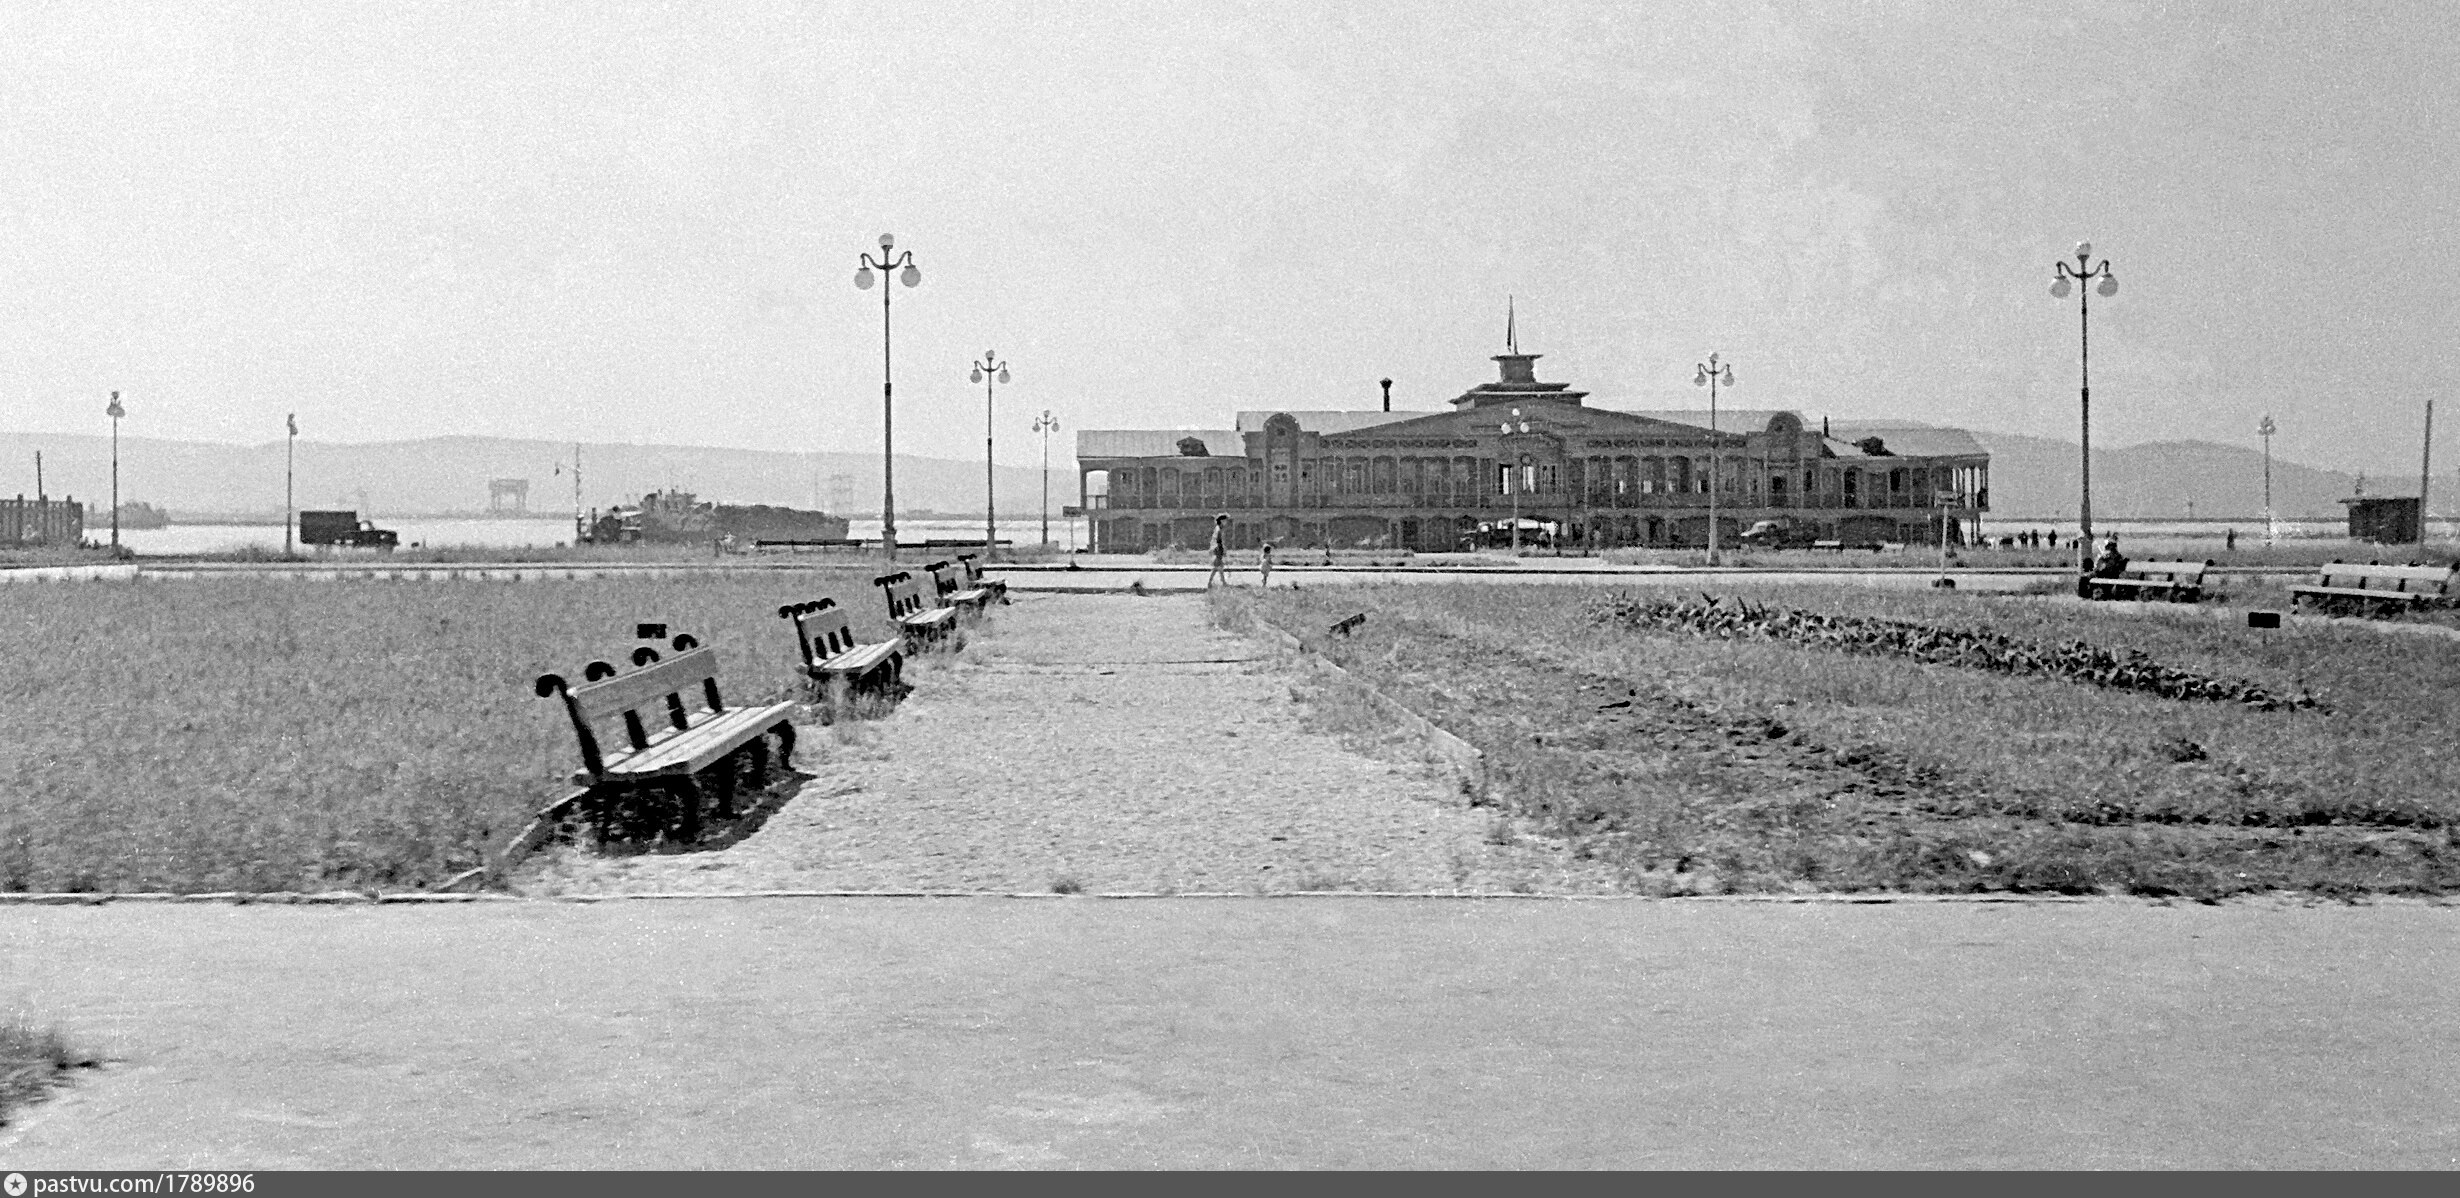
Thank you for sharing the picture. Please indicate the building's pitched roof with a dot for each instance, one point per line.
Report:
(1326, 421)
(1155, 442)
(1913, 440)
(1729, 420)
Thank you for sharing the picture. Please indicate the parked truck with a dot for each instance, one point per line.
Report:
(345, 528)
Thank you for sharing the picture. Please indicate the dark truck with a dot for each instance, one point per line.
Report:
(345, 528)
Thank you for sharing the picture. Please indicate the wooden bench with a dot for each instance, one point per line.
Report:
(974, 577)
(1830, 546)
(2370, 586)
(2178, 582)
(836, 663)
(917, 613)
(673, 731)
(948, 580)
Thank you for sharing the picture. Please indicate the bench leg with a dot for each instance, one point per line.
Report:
(687, 797)
(760, 762)
(728, 767)
(785, 745)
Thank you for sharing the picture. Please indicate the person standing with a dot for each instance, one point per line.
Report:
(1264, 567)
(1221, 552)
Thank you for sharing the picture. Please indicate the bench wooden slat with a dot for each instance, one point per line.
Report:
(694, 750)
(858, 660)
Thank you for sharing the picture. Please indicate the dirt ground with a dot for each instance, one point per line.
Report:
(1115, 743)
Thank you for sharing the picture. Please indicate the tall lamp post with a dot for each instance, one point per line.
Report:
(1709, 376)
(115, 411)
(909, 275)
(2265, 429)
(990, 372)
(1046, 424)
(290, 459)
(2085, 271)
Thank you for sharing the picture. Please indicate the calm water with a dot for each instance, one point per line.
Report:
(516, 534)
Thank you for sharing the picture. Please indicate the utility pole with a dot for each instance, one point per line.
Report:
(578, 528)
(290, 459)
(115, 411)
(2425, 474)
(2265, 428)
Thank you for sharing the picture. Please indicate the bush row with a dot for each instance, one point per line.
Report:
(1971, 648)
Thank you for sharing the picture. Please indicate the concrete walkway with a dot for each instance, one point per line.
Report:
(1302, 1031)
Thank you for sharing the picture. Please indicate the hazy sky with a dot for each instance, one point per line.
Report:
(640, 222)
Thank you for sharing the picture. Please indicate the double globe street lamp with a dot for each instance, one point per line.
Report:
(1710, 375)
(2085, 271)
(115, 412)
(990, 372)
(909, 275)
(1046, 424)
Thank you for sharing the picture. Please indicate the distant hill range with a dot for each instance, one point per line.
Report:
(445, 476)
(2031, 477)
(2035, 478)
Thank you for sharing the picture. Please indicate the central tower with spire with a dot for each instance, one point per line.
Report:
(1519, 383)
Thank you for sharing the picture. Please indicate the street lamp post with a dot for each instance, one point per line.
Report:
(990, 372)
(1046, 424)
(290, 460)
(1709, 376)
(909, 275)
(1517, 434)
(115, 411)
(2085, 271)
(2265, 429)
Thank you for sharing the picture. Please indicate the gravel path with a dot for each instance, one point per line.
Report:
(1116, 742)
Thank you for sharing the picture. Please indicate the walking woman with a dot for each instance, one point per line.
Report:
(1221, 552)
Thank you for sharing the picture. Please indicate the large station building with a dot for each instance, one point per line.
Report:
(1521, 450)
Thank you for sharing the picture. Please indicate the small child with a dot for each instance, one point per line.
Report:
(1265, 568)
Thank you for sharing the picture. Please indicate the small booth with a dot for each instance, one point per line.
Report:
(2384, 519)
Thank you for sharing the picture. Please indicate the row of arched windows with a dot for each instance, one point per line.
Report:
(1599, 481)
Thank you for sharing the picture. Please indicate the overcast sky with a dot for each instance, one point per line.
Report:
(640, 222)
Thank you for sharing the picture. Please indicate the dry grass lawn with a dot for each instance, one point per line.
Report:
(259, 734)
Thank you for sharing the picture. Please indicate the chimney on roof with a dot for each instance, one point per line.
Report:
(1387, 395)
(1823, 426)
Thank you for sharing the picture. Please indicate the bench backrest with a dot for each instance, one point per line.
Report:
(2410, 580)
(820, 628)
(946, 579)
(973, 569)
(661, 688)
(2167, 571)
(905, 594)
